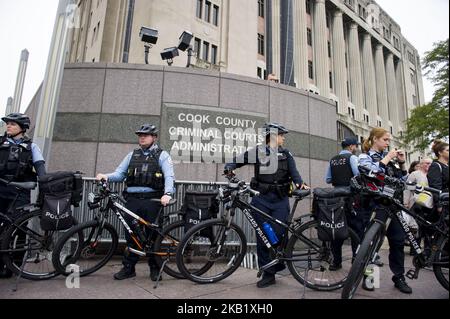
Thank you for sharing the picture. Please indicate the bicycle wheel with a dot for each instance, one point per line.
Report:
(86, 248)
(366, 250)
(30, 248)
(165, 248)
(211, 251)
(441, 262)
(311, 258)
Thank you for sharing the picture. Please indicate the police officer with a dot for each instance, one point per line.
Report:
(340, 171)
(149, 173)
(275, 170)
(391, 163)
(20, 161)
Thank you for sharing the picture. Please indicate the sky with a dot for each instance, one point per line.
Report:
(29, 24)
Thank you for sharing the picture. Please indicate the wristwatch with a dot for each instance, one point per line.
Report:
(169, 194)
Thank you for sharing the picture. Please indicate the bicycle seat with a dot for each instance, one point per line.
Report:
(26, 186)
(301, 193)
(157, 200)
(333, 192)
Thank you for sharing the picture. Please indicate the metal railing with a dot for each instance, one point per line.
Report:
(82, 213)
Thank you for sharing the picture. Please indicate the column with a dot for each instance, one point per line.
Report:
(321, 48)
(370, 86)
(383, 110)
(340, 71)
(392, 92)
(356, 83)
(300, 45)
(276, 37)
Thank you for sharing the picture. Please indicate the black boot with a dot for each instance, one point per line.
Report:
(5, 273)
(125, 273)
(400, 284)
(266, 281)
(154, 273)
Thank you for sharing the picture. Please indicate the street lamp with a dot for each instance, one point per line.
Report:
(149, 36)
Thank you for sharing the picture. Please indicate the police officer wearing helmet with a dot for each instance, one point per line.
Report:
(341, 169)
(20, 161)
(148, 172)
(275, 170)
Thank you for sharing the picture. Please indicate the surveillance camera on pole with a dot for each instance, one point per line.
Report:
(169, 53)
(149, 36)
(185, 44)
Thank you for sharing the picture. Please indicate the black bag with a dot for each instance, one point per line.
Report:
(57, 212)
(61, 182)
(199, 206)
(329, 208)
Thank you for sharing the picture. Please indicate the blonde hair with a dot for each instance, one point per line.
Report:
(377, 132)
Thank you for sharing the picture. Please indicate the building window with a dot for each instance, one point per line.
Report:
(205, 50)
(309, 36)
(199, 8)
(260, 44)
(213, 54)
(346, 60)
(308, 6)
(197, 44)
(348, 89)
(216, 15)
(259, 72)
(353, 113)
(208, 11)
(330, 74)
(329, 49)
(93, 36)
(261, 8)
(310, 70)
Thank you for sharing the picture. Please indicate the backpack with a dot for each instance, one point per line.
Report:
(329, 207)
(199, 206)
(57, 193)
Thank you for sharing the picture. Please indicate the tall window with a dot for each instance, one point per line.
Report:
(309, 36)
(213, 54)
(308, 6)
(261, 8)
(216, 15)
(208, 11)
(205, 51)
(310, 70)
(260, 44)
(329, 49)
(331, 79)
(197, 45)
(199, 8)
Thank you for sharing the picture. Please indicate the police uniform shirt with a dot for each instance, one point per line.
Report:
(353, 164)
(372, 160)
(165, 162)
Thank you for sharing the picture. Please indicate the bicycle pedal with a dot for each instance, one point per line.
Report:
(412, 274)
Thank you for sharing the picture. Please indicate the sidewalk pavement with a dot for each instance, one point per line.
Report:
(240, 285)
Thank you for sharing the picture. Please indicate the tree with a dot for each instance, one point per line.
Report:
(430, 121)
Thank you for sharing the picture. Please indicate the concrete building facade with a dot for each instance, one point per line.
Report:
(349, 51)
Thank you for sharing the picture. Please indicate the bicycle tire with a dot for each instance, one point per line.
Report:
(321, 279)
(39, 255)
(365, 251)
(442, 245)
(84, 252)
(175, 231)
(202, 275)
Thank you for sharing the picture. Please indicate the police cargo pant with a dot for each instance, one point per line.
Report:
(7, 196)
(148, 210)
(278, 208)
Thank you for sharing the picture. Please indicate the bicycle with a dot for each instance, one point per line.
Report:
(212, 250)
(25, 248)
(383, 189)
(91, 244)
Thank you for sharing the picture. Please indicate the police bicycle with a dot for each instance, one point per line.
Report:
(220, 245)
(26, 249)
(90, 245)
(384, 190)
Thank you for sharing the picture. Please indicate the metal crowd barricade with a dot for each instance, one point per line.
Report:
(82, 213)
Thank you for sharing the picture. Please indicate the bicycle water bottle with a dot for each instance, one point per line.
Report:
(268, 230)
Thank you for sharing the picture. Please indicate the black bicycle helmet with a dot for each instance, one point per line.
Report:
(21, 119)
(274, 128)
(148, 129)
